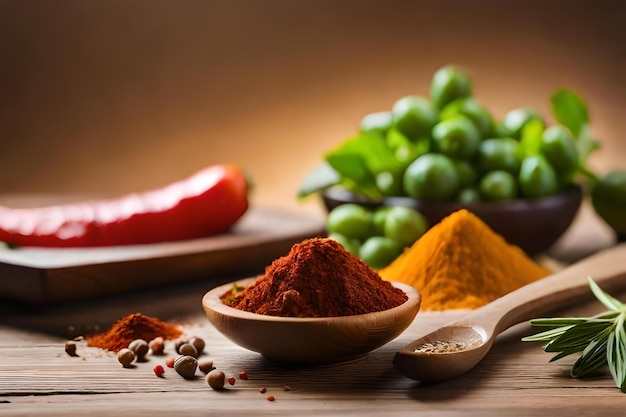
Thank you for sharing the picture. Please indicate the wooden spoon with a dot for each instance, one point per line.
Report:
(459, 346)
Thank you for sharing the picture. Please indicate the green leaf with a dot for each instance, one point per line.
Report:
(609, 302)
(592, 358)
(557, 322)
(320, 178)
(579, 335)
(570, 110)
(547, 335)
(601, 339)
(616, 353)
(565, 353)
(372, 148)
(531, 138)
(351, 165)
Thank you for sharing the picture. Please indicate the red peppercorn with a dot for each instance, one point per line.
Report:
(231, 380)
(169, 362)
(243, 375)
(158, 370)
(263, 390)
(270, 398)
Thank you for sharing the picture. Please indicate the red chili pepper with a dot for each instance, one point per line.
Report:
(205, 204)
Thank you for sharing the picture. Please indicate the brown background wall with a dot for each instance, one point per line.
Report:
(112, 96)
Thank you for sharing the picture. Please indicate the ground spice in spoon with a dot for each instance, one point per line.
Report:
(318, 278)
(131, 327)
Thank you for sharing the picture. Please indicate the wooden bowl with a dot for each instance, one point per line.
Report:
(309, 340)
(532, 224)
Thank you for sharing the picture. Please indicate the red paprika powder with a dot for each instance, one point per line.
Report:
(131, 327)
(318, 278)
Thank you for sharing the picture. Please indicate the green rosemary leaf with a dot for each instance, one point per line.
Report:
(547, 335)
(600, 340)
(611, 358)
(565, 353)
(578, 335)
(616, 352)
(557, 322)
(610, 302)
(592, 358)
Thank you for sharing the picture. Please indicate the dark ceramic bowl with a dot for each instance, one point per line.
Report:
(532, 224)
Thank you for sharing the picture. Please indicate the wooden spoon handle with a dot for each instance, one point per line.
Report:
(561, 289)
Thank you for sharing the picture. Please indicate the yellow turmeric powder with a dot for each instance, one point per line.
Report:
(460, 263)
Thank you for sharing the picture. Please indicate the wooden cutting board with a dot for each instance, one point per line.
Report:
(44, 275)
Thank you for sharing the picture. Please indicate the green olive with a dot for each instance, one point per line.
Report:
(349, 244)
(379, 218)
(467, 173)
(377, 122)
(537, 178)
(559, 148)
(405, 225)
(500, 154)
(351, 220)
(379, 251)
(431, 176)
(514, 122)
(608, 197)
(471, 109)
(469, 195)
(448, 84)
(498, 185)
(456, 137)
(414, 117)
(390, 183)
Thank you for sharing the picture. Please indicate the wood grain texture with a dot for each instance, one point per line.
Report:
(37, 378)
(514, 379)
(477, 331)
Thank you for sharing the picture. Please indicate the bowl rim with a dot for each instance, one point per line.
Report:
(339, 193)
(212, 301)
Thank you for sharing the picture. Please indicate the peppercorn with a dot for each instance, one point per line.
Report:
(216, 379)
(243, 375)
(270, 398)
(206, 365)
(198, 343)
(187, 349)
(186, 366)
(70, 348)
(158, 370)
(263, 390)
(157, 345)
(126, 357)
(231, 380)
(287, 388)
(140, 348)
(178, 344)
(169, 362)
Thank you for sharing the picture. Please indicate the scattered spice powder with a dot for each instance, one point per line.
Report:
(132, 327)
(460, 263)
(317, 278)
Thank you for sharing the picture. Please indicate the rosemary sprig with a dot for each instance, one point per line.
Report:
(601, 339)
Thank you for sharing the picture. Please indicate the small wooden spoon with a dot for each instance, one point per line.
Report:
(459, 346)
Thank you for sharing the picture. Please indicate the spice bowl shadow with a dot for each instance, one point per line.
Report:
(309, 340)
(533, 224)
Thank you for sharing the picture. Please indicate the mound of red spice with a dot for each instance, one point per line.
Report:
(318, 278)
(131, 327)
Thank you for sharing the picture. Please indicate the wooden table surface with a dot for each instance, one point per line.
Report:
(38, 378)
